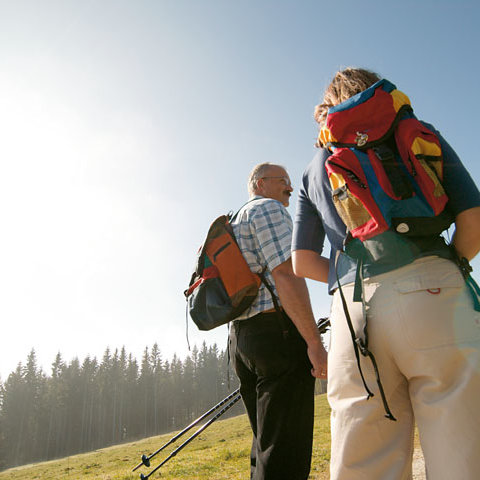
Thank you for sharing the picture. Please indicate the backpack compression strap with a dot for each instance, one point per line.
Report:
(360, 344)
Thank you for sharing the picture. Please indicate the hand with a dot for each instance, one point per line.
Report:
(318, 358)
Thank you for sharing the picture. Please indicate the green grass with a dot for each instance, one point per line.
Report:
(221, 452)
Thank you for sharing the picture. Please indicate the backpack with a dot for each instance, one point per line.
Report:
(222, 285)
(385, 171)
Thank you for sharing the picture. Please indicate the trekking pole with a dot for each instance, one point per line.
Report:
(323, 324)
(189, 439)
(146, 459)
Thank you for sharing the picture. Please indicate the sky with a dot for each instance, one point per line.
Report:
(126, 127)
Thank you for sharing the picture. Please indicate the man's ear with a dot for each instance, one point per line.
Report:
(260, 185)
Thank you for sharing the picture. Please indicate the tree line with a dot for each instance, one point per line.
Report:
(82, 406)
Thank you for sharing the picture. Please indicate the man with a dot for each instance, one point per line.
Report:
(276, 354)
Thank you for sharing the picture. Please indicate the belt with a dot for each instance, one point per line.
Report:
(272, 310)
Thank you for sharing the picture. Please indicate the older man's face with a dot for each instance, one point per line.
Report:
(276, 184)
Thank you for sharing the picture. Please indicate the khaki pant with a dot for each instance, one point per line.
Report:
(425, 336)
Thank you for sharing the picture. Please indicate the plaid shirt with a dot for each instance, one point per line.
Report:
(263, 229)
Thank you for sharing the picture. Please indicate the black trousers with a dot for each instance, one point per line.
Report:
(270, 359)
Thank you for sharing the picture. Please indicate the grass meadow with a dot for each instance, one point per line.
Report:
(220, 452)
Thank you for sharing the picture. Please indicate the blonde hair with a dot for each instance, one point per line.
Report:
(259, 171)
(345, 84)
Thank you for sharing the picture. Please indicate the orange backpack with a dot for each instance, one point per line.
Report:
(222, 285)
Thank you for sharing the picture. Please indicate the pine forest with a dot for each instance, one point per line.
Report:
(82, 406)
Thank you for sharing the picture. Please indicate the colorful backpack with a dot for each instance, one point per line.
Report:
(222, 285)
(386, 170)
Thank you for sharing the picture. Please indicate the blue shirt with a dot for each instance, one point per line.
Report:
(263, 229)
(317, 218)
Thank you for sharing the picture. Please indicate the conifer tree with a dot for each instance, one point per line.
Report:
(89, 405)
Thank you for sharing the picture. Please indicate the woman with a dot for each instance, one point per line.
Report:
(415, 327)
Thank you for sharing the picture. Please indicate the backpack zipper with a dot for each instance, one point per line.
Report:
(350, 174)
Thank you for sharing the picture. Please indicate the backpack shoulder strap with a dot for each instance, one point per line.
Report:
(280, 312)
(232, 216)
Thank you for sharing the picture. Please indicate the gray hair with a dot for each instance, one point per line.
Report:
(259, 171)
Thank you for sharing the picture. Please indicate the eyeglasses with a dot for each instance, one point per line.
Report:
(286, 180)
